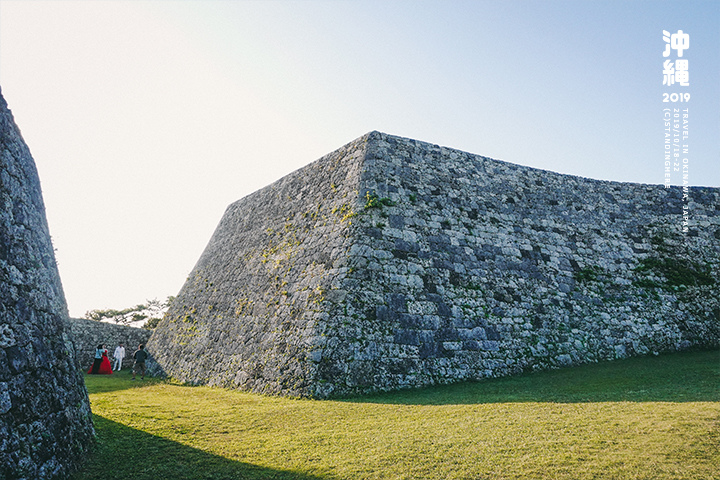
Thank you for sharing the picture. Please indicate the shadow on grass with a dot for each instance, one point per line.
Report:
(124, 452)
(677, 377)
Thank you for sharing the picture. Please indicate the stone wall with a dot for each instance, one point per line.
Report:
(45, 420)
(393, 263)
(88, 334)
(249, 306)
(481, 268)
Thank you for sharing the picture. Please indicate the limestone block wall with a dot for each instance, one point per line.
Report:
(88, 334)
(476, 268)
(393, 263)
(251, 306)
(45, 421)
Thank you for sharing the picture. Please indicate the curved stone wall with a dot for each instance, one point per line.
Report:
(394, 263)
(45, 421)
(88, 334)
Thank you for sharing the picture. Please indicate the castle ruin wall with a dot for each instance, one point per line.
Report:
(394, 263)
(88, 334)
(45, 421)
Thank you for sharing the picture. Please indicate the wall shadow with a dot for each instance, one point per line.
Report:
(124, 452)
(677, 377)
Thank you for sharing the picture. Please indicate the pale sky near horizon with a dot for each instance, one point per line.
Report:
(146, 119)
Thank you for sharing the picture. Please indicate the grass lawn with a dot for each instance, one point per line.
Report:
(644, 418)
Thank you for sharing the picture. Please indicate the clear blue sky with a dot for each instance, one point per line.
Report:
(146, 119)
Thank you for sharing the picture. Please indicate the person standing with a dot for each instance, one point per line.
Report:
(119, 355)
(105, 367)
(98, 359)
(140, 356)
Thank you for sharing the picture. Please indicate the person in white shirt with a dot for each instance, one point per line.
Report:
(119, 355)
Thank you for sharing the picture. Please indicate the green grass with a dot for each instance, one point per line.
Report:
(643, 418)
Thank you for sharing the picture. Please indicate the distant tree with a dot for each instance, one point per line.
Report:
(152, 323)
(150, 312)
